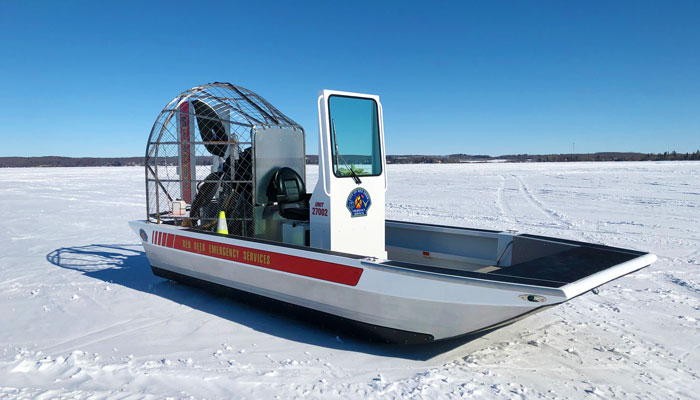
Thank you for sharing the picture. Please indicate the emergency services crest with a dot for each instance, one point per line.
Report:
(358, 202)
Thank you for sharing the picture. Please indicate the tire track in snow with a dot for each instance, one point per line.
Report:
(504, 209)
(593, 235)
(425, 212)
(690, 352)
(100, 335)
(552, 215)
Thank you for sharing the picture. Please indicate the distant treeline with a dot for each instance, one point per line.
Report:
(605, 156)
(55, 161)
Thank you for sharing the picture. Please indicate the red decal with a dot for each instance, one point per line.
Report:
(171, 240)
(319, 211)
(326, 271)
(185, 152)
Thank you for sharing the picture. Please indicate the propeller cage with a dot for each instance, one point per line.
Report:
(201, 152)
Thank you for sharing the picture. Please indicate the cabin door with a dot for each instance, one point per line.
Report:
(347, 205)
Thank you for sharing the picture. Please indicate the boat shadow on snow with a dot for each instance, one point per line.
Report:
(127, 265)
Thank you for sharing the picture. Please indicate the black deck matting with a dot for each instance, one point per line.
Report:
(552, 271)
(567, 266)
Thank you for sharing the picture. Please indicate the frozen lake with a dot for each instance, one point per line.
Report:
(81, 316)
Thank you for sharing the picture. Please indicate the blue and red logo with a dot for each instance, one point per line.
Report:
(358, 202)
(143, 235)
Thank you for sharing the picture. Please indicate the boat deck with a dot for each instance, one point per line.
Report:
(534, 260)
(554, 271)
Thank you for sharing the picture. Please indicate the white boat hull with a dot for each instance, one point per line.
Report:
(434, 306)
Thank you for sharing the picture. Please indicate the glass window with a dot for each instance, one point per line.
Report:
(354, 124)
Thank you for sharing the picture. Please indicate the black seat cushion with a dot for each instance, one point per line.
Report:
(299, 214)
(288, 190)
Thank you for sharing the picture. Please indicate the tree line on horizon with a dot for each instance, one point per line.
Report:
(572, 157)
(57, 161)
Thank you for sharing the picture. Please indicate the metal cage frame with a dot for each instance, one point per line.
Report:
(214, 159)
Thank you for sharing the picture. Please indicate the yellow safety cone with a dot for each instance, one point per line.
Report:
(222, 226)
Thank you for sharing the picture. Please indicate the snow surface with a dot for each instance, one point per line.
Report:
(81, 316)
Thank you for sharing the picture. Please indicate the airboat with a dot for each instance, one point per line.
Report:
(228, 209)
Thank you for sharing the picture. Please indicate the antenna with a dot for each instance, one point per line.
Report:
(335, 141)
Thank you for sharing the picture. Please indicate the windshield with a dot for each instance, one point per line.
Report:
(354, 136)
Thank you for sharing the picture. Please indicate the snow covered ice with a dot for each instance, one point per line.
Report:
(81, 315)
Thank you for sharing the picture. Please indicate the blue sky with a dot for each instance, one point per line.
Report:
(89, 78)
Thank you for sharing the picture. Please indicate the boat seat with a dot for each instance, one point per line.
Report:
(288, 190)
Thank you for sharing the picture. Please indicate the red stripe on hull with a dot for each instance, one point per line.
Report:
(338, 273)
